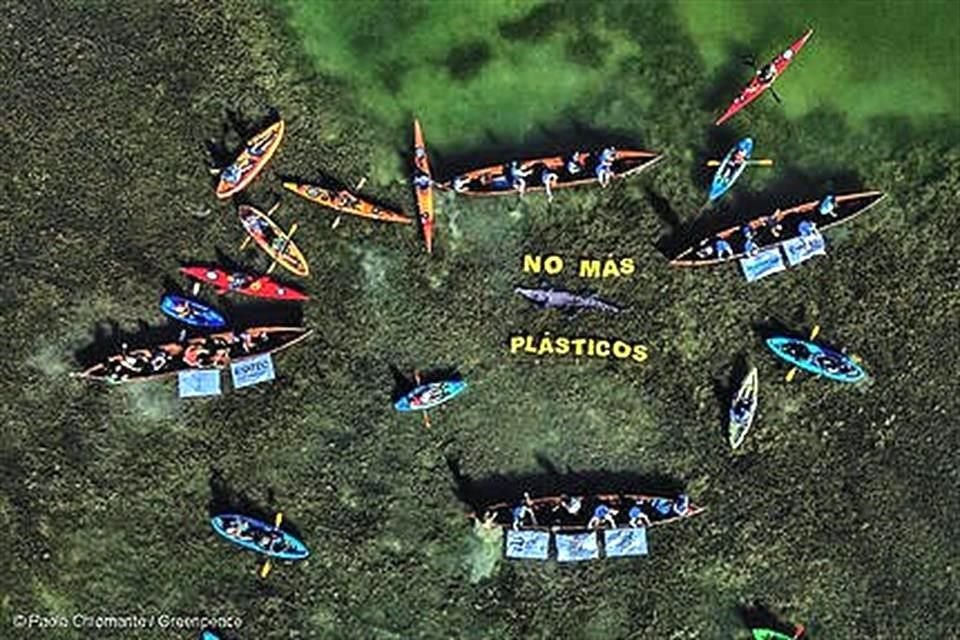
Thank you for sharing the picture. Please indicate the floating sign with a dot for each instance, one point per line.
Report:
(590, 347)
(619, 543)
(527, 545)
(574, 547)
(762, 264)
(804, 248)
(197, 383)
(251, 371)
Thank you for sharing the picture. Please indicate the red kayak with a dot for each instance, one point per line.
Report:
(224, 281)
(758, 86)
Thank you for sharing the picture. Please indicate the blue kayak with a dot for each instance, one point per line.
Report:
(728, 172)
(209, 635)
(816, 359)
(189, 311)
(258, 536)
(427, 396)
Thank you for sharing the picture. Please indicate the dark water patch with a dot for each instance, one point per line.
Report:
(467, 60)
(546, 19)
(587, 49)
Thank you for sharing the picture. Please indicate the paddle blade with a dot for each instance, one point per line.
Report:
(293, 229)
(273, 208)
(265, 569)
(762, 162)
(815, 331)
(426, 419)
(278, 520)
(245, 243)
(713, 163)
(791, 374)
(273, 265)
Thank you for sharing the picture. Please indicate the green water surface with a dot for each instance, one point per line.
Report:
(471, 70)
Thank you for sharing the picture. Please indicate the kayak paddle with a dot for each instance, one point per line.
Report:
(265, 569)
(793, 370)
(763, 162)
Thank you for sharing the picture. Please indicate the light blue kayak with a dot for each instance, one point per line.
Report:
(816, 359)
(258, 536)
(727, 173)
(209, 635)
(192, 312)
(427, 396)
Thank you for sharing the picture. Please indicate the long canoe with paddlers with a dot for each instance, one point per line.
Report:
(553, 172)
(214, 351)
(776, 228)
(583, 513)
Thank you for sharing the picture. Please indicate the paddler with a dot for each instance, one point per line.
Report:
(637, 517)
(576, 162)
(522, 511)
(549, 180)
(681, 505)
(422, 181)
(604, 168)
(570, 504)
(749, 246)
(517, 177)
(767, 74)
(739, 157)
(723, 249)
(602, 514)
(460, 184)
(239, 529)
(828, 206)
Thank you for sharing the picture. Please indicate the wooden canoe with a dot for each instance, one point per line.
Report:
(424, 192)
(345, 202)
(495, 180)
(775, 229)
(214, 351)
(273, 240)
(552, 517)
(252, 160)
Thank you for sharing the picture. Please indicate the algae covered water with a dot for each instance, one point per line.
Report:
(503, 69)
(840, 504)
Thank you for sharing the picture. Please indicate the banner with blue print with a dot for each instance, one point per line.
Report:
(574, 547)
(625, 542)
(527, 545)
(251, 371)
(762, 264)
(197, 383)
(804, 248)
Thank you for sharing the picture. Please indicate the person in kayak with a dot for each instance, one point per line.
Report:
(604, 168)
(522, 511)
(662, 506)
(571, 505)
(750, 247)
(723, 249)
(638, 518)
(681, 505)
(828, 206)
(549, 180)
(518, 177)
(239, 529)
(767, 74)
(422, 181)
(740, 412)
(739, 157)
(576, 163)
(460, 184)
(602, 514)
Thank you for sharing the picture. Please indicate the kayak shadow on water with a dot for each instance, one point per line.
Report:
(224, 499)
(794, 186)
(543, 141)
(509, 488)
(108, 337)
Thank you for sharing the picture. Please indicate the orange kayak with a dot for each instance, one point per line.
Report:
(345, 202)
(251, 161)
(423, 184)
